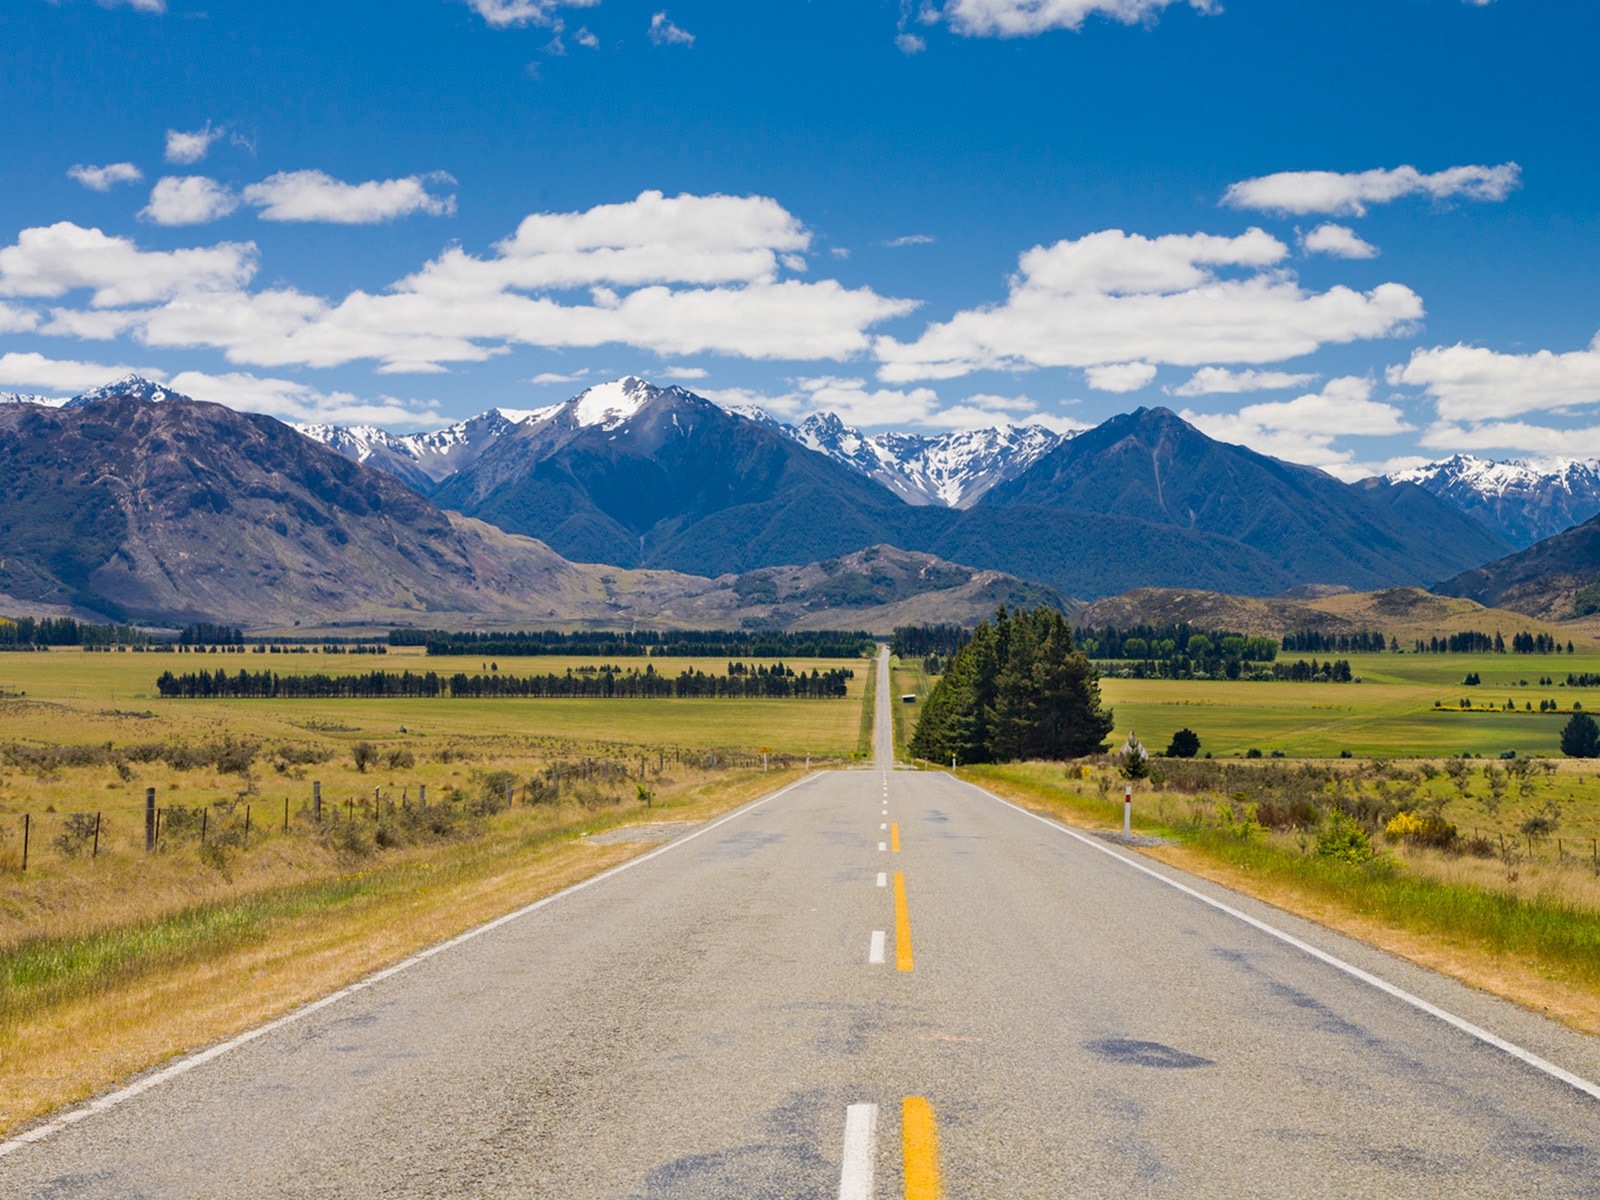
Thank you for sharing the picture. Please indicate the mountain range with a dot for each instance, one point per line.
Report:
(1524, 500)
(692, 508)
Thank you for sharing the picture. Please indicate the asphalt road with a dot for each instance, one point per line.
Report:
(709, 1023)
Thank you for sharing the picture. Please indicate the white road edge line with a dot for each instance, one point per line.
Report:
(883, 879)
(860, 1152)
(875, 951)
(1339, 964)
(184, 1065)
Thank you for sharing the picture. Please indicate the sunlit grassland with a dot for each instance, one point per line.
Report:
(907, 678)
(1390, 712)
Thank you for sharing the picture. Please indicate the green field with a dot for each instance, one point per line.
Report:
(1390, 712)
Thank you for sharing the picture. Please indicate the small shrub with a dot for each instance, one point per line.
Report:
(1342, 838)
(401, 759)
(77, 834)
(364, 754)
(1184, 744)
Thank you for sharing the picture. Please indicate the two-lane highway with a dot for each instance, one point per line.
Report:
(874, 983)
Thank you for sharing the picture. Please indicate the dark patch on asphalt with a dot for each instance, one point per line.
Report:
(935, 815)
(742, 845)
(100, 1183)
(1145, 1054)
(785, 1165)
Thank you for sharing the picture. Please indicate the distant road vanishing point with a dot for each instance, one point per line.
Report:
(873, 983)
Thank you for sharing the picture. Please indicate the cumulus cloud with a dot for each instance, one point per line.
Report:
(188, 148)
(1026, 18)
(586, 39)
(545, 378)
(63, 377)
(1516, 437)
(14, 319)
(57, 259)
(188, 200)
(910, 239)
(1301, 193)
(1120, 377)
(512, 14)
(1113, 297)
(679, 277)
(1219, 381)
(1303, 430)
(103, 179)
(664, 33)
(292, 401)
(685, 373)
(315, 196)
(149, 6)
(1337, 241)
(1471, 383)
(909, 43)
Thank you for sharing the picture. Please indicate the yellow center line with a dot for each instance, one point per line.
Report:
(919, 1133)
(902, 924)
(894, 838)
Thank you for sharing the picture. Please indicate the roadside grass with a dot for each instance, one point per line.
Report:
(1527, 930)
(907, 679)
(124, 977)
(869, 704)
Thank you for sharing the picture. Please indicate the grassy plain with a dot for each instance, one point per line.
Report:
(1390, 712)
(113, 960)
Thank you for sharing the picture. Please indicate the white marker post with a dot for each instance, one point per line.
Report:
(1127, 809)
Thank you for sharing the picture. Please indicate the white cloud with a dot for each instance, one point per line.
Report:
(292, 401)
(187, 148)
(685, 373)
(1337, 241)
(511, 14)
(54, 260)
(1217, 381)
(103, 179)
(664, 33)
(149, 6)
(702, 270)
(1120, 377)
(14, 319)
(1025, 18)
(1300, 193)
(910, 239)
(315, 196)
(586, 39)
(1112, 297)
(1303, 430)
(1516, 437)
(545, 378)
(1470, 383)
(37, 371)
(909, 43)
(188, 200)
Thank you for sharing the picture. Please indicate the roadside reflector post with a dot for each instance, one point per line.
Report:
(1127, 808)
(149, 819)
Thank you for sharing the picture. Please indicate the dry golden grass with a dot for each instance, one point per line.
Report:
(65, 1052)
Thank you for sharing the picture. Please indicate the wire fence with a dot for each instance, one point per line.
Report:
(249, 818)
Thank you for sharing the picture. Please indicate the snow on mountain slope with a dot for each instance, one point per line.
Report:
(610, 404)
(135, 386)
(22, 398)
(423, 459)
(952, 470)
(1525, 500)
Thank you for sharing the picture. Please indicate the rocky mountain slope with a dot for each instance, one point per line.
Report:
(1153, 466)
(1523, 500)
(1543, 580)
(180, 510)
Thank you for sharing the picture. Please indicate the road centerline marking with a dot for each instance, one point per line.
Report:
(883, 879)
(902, 924)
(860, 1151)
(882, 846)
(894, 838)
(919, 1137)
(875, 950)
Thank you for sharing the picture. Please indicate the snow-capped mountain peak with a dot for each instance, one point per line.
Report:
(135, 386)
(609, 405)
(1525, 499)
(952, 469)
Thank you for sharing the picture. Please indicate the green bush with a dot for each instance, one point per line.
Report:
(1343, 838)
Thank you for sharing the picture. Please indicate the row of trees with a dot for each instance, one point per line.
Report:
(1168, 643)
(1362, 641)
(31, 632)
(1018, 689)
(691, 643)
(606, 682)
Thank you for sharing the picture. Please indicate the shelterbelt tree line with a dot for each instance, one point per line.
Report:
(1019, 689)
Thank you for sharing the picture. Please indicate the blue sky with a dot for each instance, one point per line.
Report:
(1349, 233)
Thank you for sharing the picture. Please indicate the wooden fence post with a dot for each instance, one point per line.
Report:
(149, 819)
(27, 828)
